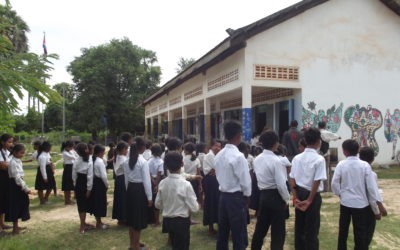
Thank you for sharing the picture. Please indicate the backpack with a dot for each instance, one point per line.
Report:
(324, 147)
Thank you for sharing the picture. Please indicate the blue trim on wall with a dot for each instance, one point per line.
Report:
(291, 110)
(247, 124)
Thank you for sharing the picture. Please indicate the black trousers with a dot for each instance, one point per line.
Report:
(307, 223)
(232, 217)
(362, 219)
(179, 232)
(271, 213)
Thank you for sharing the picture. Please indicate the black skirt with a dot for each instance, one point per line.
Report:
(67, 182)
(119, 203)
(51, 182)
(3, 191)
(98, 198)
(195, 186)
(255, 192)
(18, 203)
(136, 206)
(211, 200)
(80, 193)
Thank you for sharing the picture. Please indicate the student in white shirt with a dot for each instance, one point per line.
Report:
(98, 194)
(82, 176)
(235, 185)
(306, 178)
(138, 193)
(192, 165)
(18, 200)
(354, 183)
(201, 151)
(33, 157)
(255, 192)
(156, 168)
(274, 195)
(6, 143)
(147, 153)
(119, 202)
(177, 200)
(367, 154)
(45, 173)
(210, 187)
(69, 157)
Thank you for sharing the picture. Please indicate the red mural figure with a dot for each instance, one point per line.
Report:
(364, 122)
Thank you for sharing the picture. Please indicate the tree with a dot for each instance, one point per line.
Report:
(20, 70)
(184, 63)
(112, 80)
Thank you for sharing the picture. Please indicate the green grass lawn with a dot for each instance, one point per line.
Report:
(55, 226)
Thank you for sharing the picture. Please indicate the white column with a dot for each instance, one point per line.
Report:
(247, 112)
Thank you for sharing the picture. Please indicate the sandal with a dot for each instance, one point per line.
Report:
(103, 227)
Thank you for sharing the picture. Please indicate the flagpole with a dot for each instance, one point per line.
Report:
(44, 79)
(63, 120)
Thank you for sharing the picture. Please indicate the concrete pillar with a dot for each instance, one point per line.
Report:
(159, 119)
(197, 120)
(184, 122)
(151, 127)
(169, 123)
(146, 131)
(207, 121)
(247, 121)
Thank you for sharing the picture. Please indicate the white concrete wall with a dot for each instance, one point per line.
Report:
(347, 51)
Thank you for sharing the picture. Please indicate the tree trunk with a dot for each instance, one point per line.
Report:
(94, 135)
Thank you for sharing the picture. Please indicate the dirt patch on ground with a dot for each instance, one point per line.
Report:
(390, 193)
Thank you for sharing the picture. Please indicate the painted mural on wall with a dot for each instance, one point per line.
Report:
(364, 122)
(392, 128)
(246, 124)
(333, 116)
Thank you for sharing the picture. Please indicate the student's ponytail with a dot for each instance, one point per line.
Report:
(190, 148)
(138, 145)
(82, 150)
(43, 147)
(121, 146)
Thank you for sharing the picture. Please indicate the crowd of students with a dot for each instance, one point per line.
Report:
(225, 180)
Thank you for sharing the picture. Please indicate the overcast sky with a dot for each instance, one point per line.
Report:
(171, 28)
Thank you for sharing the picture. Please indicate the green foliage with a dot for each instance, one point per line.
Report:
(111, 80)
(20, 70)
(184, 63)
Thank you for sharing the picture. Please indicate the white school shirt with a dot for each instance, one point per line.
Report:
(232, 171)
(201, 159)
(354, 183)
(139, 174)
(268, 170)
(147, 154)
(68, 157)
(99, 170)
(250, 161)
(44, 159)
(209, 162)
(156, 165)
(189, 165)
(16, 172)
(6, 154)
(308, 167)
(285, 164)
(328, 136)
(371, 201)
(83, 167)
(34, 156)
(118, 169)
(176, 197)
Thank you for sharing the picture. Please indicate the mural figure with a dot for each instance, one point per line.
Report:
(364, 122)
(332, 117)
(392, 128)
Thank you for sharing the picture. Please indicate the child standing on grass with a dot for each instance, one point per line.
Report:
(177, 200)
(45, 173)
(6, 143)
(306, 177)
(138, 193)
(234, 180)
(368, 155)
(69, 157)
(354, 183)
(156, 168)
(119, 202)
(82, 176)
(18, 200)
(98, 195)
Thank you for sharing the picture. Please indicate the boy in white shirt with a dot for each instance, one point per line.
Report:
(306, 178)
(234, 180)
(177, 200)
(354, 183)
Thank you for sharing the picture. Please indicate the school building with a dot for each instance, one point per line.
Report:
(331, 60)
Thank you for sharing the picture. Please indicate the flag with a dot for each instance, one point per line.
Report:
(44, 44)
